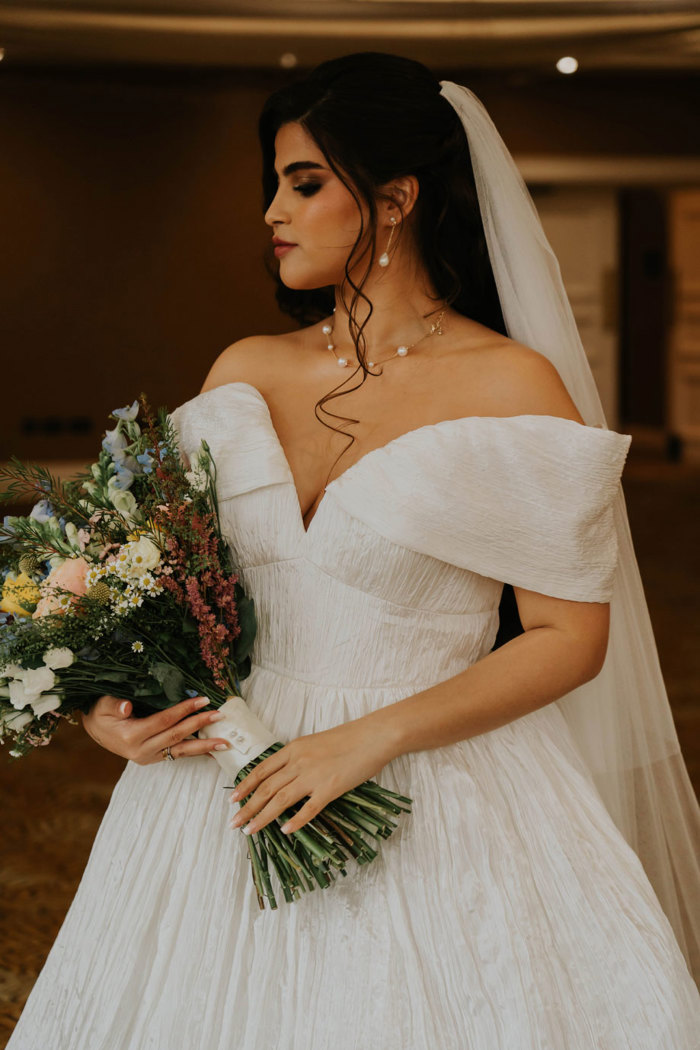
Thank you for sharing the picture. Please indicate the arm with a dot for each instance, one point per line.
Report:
(563, 645)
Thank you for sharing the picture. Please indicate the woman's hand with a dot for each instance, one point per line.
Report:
(142, 740)
(322, 765)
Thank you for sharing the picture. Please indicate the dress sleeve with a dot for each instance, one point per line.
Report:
(232, 420)
(526, 500)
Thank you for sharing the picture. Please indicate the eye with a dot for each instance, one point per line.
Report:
(307, 189)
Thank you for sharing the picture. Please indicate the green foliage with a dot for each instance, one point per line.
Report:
(171, 679)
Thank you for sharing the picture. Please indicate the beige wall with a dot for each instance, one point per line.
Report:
(132, 230)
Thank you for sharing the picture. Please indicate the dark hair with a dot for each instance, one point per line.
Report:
(376, 117)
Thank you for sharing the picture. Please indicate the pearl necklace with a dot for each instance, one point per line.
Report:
(401, 351)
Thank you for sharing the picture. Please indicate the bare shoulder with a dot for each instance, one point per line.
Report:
(523, 381)
(255, 359)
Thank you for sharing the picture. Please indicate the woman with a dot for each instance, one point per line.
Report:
(508, 910)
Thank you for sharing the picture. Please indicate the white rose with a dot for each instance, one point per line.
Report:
(123, 501)
(47, 702)
(34, 682)
(18, 696)
(143, 555)
(55, 658)
(17, 721)
(11, 671)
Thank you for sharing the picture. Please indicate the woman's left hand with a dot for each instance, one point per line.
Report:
(321, 765)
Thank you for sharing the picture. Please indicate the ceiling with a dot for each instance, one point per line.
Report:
(610, 35)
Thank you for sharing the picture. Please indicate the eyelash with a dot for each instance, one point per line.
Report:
(307, 189)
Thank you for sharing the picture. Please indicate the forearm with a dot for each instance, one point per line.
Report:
(521, 676)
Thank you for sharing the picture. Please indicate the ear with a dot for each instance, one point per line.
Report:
(404, 191)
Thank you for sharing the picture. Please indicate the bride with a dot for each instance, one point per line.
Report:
(541, 893)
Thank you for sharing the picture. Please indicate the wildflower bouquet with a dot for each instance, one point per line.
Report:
(120, 582)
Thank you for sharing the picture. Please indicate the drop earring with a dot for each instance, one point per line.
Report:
(384, 257)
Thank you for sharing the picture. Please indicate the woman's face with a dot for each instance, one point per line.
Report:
(313, 210)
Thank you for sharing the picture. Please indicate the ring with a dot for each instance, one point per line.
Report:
(165, 752)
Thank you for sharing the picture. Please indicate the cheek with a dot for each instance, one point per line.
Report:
(332, 221)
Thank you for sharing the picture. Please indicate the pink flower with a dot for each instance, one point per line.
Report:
(103, 552)
(84, 538)
(70, 575)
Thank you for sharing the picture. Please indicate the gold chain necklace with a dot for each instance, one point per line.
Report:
(401, 351)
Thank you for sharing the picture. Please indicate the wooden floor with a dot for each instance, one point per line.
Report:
(54, 799)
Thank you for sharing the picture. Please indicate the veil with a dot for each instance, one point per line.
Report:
(621, 720)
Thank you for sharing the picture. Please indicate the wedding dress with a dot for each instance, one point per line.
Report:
(506, 911)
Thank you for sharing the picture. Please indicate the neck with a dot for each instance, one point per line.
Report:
(401, 315)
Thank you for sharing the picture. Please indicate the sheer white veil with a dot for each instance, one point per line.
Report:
(621, 721)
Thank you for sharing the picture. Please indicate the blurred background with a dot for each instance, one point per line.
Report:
(132, 254)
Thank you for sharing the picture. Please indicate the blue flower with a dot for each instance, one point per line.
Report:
(122, 478)
(8, 527)
(146, 462)
(42, 510)
(191, 693)
(127, 413)
(114, 440)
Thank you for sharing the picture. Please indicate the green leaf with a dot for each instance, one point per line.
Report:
(249, 626)
(171, 679)
(113, 676)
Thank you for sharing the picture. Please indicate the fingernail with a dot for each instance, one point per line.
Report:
(201, 702)
(221, 747)
(248, 829)
(285, 827)
(217, 717)
(235, 794)
(122, 707)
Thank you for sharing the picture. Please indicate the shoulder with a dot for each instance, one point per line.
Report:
(519, 380)
(256, 359)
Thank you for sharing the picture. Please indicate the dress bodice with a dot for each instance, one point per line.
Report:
(505, 911)
(399, 576)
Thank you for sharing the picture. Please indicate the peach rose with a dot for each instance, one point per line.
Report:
(70, 575)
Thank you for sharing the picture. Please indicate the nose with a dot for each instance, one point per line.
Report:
(273, 213)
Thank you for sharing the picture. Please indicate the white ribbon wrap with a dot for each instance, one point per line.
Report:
(245, 733)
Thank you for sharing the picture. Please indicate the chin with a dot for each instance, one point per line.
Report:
(307, 281)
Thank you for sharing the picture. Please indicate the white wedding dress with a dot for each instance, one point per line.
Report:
(506, 911)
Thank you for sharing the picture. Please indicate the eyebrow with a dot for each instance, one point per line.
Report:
(298, 165)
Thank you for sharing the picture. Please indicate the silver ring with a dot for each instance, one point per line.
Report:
(165, 752)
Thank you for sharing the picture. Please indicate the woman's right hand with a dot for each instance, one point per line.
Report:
(142, 740)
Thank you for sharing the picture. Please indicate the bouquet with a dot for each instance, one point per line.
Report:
(120, 582)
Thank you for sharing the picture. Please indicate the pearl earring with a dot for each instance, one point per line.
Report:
(384, 257)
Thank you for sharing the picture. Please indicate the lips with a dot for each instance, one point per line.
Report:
(282, 244)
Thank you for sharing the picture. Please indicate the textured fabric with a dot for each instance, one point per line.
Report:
(621, 721)
(506, 912)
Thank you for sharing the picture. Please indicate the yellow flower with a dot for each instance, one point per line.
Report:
(17, 593)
